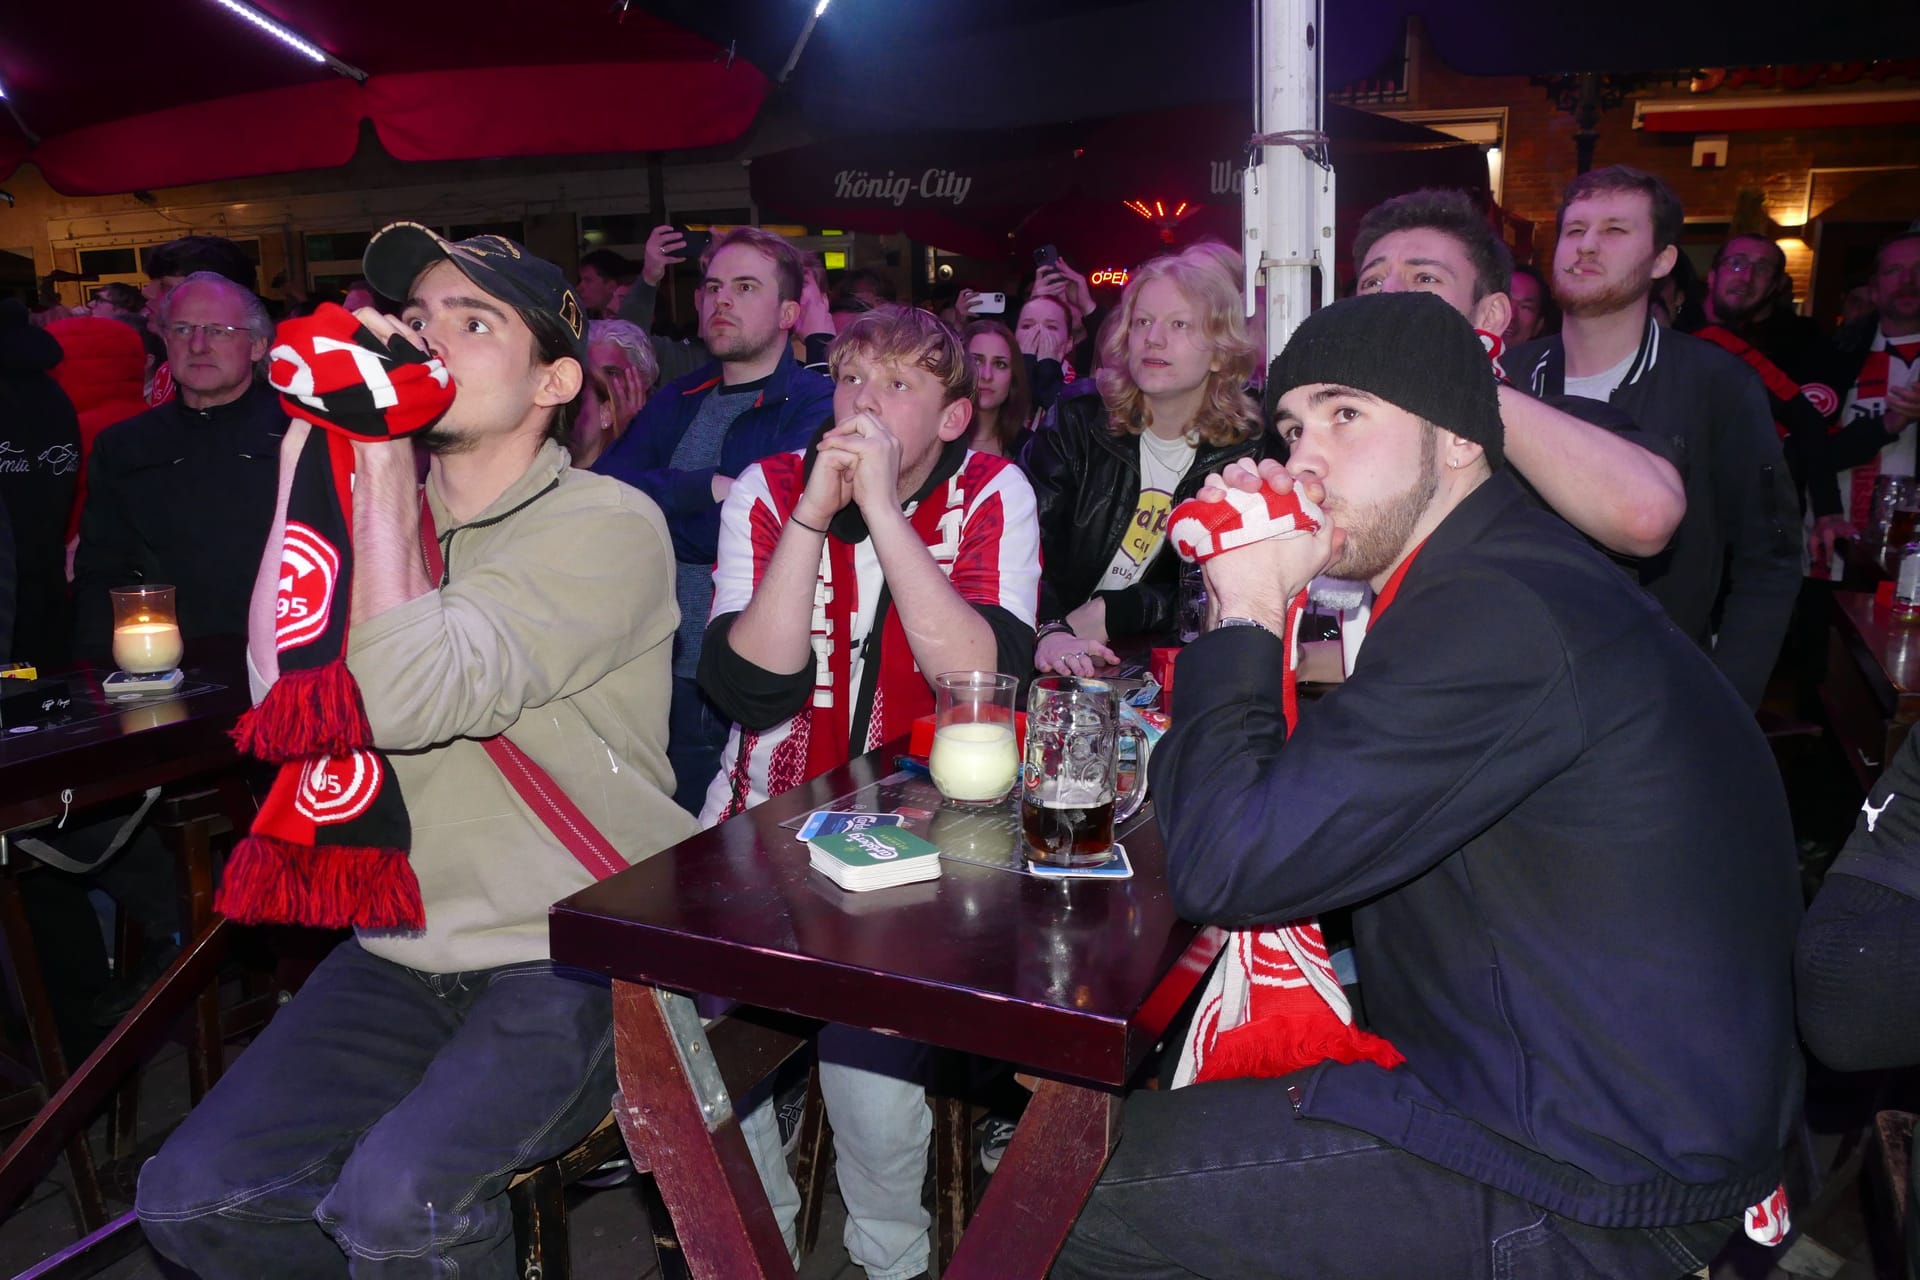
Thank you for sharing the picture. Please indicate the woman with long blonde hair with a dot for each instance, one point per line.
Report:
(1107, 470)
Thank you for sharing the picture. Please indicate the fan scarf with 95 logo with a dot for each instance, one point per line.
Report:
(1272, 1004)
(329, 847)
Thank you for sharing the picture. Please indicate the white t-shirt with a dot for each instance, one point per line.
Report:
(1601, 386)
(1163, 463)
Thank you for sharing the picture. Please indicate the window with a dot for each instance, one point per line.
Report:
(109, 262)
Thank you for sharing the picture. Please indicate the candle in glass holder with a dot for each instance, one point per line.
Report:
(146, 631)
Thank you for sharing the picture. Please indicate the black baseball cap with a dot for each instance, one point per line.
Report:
(400, 251)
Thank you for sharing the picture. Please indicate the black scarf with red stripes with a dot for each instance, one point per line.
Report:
(329, 847)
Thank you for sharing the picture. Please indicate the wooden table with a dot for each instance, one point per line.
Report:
(102, 750)
(1073, 981)
(1871, 692)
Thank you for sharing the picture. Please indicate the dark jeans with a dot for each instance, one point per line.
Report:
(372, 1128)
(1225, 1181)
(696, 735)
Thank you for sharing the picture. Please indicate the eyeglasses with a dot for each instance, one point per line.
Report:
(1740, 264)
(181, 331)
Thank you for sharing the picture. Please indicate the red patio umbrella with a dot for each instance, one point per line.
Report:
(202, 95)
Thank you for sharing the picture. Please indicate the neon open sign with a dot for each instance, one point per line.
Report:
(1109, 275)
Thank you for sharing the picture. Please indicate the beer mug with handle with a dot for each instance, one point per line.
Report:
(1069, 793)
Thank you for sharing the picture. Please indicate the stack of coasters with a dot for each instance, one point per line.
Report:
(874, 858)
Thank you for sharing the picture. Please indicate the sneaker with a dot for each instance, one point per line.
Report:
(994, 1133)
(789, 1105)
(611, 1174)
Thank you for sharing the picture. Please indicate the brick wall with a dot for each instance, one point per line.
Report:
(1540, 156)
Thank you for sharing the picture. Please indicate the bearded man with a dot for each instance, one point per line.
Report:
(700, 431)
(1566, 1106)
(1730, 575)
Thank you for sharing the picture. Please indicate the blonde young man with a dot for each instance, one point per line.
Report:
(848, 577)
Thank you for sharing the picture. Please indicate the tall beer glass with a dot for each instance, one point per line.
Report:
(1069, 798)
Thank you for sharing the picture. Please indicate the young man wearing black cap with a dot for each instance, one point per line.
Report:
(1565, 845)
(382, 1113)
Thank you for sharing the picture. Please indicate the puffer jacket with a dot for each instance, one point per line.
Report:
(103, 369)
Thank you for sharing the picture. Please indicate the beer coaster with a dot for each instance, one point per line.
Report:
(1115, 868)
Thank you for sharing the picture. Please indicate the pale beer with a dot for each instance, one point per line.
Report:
(974, 763)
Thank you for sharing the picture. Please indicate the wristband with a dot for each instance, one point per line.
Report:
(804, 525)
(1052, 628)
(1224, 623)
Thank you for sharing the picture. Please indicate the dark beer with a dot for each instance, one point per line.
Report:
(1905, 522)
(1067, 828)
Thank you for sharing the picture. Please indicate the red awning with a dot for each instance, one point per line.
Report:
(218, 99)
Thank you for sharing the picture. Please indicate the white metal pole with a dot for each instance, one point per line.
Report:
(1288, 216)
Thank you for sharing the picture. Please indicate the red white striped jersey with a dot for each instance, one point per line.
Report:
(981, 529)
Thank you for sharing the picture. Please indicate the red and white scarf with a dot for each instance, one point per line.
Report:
(329, 846)
(1273, 1004)
(1868, 397)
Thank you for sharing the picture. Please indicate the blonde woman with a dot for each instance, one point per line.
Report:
(1107, 469)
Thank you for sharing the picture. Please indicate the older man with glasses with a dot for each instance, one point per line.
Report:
(184, 492)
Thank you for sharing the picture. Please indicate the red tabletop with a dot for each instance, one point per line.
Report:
(1076, 979)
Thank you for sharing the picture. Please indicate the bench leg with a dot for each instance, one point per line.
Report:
(1055, 1158)
(23, 965)
(816, 1145)
(540, 1225)
(193, 857)
(678, 1121)
(952, 1173)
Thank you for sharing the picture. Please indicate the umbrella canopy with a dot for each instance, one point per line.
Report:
(201, 95)
(128, 94)
(1105, 191)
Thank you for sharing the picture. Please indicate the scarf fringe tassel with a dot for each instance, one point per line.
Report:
(1280, 1044)
(272, 881)
(315, 712)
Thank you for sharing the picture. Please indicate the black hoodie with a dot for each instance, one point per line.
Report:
(39, 467)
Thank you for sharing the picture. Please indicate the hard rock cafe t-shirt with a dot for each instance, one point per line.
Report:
(1162, 465)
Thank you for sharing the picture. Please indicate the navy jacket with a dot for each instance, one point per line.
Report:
(782, 420)
(1570, 862)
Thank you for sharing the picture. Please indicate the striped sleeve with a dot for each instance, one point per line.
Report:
(751, 519)
(999, 558)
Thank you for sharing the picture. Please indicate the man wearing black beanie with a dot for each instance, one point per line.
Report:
(1566, 850)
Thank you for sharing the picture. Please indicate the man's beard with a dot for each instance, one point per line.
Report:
(442, 441)
(1378, 533)
(1617, 296)
(738, 346)
(1739, 314)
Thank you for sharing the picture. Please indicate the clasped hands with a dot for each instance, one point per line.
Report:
(858, 461)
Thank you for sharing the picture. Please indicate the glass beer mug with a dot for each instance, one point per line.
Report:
(1069, 792)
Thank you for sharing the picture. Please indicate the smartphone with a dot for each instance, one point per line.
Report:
(697, 244)
(988, 304)
(1045, 256)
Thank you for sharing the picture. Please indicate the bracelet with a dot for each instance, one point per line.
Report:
(1224, 623)
(1052, 628)
(804, 525)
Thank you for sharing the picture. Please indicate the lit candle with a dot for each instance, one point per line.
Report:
(142, 648)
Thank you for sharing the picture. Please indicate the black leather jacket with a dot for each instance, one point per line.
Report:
(1086, 483)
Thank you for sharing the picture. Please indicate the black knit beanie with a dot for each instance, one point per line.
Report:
(1411, 350)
